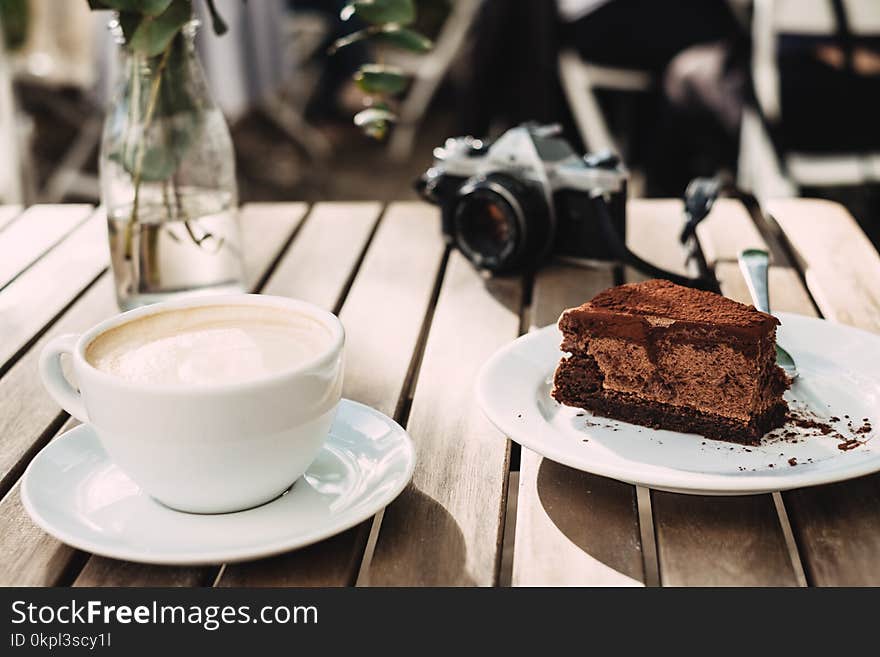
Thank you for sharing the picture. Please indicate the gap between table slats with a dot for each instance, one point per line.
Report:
(514, 463)
(837, 526)
(29, 417)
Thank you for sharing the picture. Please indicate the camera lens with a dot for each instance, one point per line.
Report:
(499, 221)
(487, 227)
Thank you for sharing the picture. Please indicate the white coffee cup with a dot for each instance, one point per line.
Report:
(211, 448)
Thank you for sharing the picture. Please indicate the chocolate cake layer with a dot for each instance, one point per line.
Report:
(578, 383)
(656, 353)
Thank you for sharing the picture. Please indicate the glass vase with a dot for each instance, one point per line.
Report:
(167, 170)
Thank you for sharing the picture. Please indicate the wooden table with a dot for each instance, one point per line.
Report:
(420, 322)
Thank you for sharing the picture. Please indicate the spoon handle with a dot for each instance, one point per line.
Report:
(754, 264)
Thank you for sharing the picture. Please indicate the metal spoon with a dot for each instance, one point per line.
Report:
(754, 264)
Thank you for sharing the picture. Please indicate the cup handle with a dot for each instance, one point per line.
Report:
(53, 376)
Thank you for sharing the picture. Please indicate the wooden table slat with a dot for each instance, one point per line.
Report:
(383, 315)
(33, 299)
(840, 265)
(26, 409)
(101, 571)
(31, 557)
(37, 230)
(711, 541)
(446, 527)
(652, 230)
(266, 229)
(321, 260)
(838, 526)
(727, 230)
(8, 213)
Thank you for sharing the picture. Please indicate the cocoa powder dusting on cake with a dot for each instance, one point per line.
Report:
(664, 299)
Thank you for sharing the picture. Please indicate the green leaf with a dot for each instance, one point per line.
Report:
(403, 37)
(16, 16)
(146, 7)
(373, 114)
(165, 144)
(349, 39)
(392, 34)
(154, 33)
(129, 22)
(375, 121)
(217, 21)
(376, 79)
(176, 86)
(402, 12)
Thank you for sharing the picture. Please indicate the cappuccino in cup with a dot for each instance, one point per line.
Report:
(208, 345)
(211, 404)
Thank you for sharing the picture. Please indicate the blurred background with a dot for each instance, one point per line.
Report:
(782, 95)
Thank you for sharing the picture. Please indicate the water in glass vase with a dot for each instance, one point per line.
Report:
(185, 242)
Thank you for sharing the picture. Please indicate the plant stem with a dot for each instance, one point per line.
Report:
(182, 214)
(166, 200)
(141, 152)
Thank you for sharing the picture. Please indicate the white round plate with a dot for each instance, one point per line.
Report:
(839, 375)
(74, 492)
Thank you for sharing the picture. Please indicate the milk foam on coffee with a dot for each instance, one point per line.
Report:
(208, 345)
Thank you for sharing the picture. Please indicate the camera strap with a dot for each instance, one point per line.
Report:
(699, 197)
(705, 281)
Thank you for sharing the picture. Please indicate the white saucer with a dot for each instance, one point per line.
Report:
(74, 492)
(839, 375)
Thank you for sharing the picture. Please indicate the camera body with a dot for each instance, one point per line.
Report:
(510, 204)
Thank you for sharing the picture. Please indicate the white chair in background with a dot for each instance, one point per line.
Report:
(16, 169)
(11, 189)
(250, 67)
(580, 80)
(58, 53)
(760, 168)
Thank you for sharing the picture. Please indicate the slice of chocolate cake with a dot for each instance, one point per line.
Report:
(670, 357)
